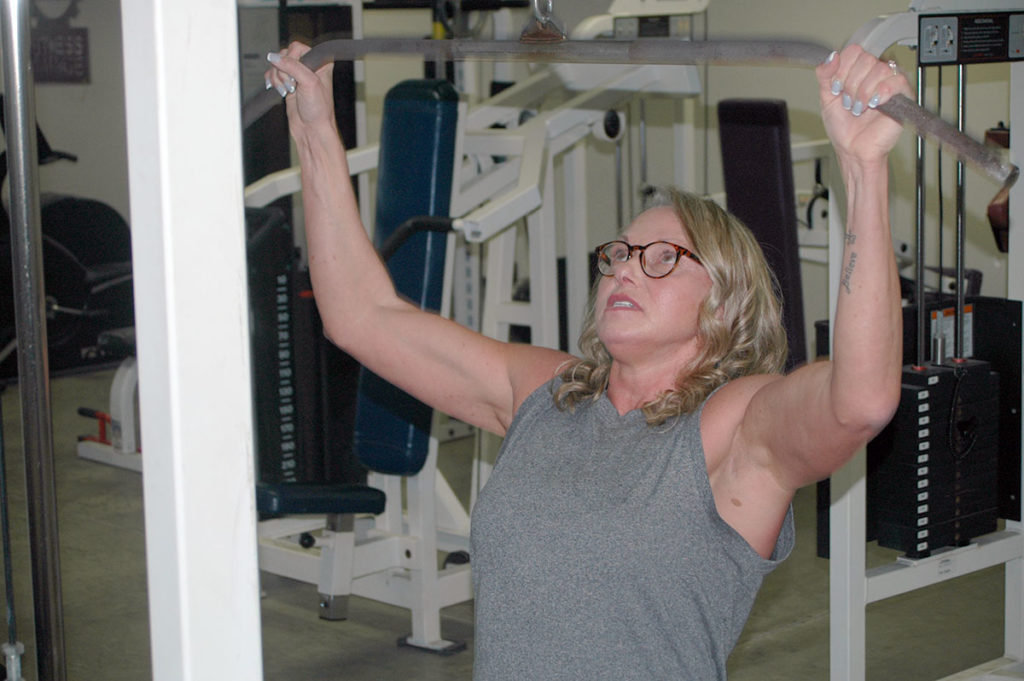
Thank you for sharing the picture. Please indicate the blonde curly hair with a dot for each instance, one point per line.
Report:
(739, 323)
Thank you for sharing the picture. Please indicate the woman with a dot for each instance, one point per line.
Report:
(643, 492)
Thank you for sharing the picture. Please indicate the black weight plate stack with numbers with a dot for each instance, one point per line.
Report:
(933, 471)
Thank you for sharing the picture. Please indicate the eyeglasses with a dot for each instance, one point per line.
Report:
(657, 259)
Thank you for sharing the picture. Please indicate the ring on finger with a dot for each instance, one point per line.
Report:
(893, 67)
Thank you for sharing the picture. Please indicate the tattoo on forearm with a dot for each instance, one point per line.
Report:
(851, 238)
(848, 271)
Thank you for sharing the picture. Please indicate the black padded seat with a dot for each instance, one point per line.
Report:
(293, 498)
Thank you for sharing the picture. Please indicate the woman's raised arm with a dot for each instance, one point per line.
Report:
(802, 427)
(462, 373)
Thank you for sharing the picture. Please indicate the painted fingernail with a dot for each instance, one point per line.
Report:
(874, 101)
(282, 90)
(847, 101)
(831, 57)
(858, 108)
(837, 87)
(273, 57)
(268, 83)
(290, 84)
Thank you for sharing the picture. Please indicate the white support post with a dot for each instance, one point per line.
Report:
(847, 583)
(1014, 591)
(847, 544)
(685, 144)
(425, 602)
(577, 265)
(184, 151)
(541, 235)
(498, 294)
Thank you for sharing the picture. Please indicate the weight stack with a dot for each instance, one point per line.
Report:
(272, 313)
(932, 473)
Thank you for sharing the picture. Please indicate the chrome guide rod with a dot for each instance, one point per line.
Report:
(646, 51)
(961, 216)
(30, 325)
(919, 270)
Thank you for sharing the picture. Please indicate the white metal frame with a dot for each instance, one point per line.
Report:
(123, 449)
(526, 187)
(852, 587)
(391, 558)
(530, 192)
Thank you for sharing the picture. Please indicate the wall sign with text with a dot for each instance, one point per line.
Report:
(60, 52)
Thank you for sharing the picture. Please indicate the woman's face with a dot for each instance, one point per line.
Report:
(652, 320)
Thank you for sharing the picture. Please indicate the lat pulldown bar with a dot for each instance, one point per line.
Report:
(648, 51)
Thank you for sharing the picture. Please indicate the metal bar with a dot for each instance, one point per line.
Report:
(645, 51)
(907, 575)
(922, 312)
(30, 325)
(961, 212)
(971, 152)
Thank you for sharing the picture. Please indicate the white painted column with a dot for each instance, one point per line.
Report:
(1014, 595)
(184, 153)
(847, 518)
(847, 580)
(577, 242)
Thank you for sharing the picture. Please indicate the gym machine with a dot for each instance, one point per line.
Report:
(506, 171)
(489, 223)
(928, 484)
(186, 529)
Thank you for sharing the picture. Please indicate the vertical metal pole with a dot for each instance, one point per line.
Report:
(30, 324)
(922, 311)
(961, 120)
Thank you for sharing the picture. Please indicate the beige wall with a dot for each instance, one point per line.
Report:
(88, 120)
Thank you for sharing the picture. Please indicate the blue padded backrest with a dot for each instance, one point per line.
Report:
(414, 178)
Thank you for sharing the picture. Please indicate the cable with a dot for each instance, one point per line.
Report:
(422, 223)
(961, 434)
(942, 207)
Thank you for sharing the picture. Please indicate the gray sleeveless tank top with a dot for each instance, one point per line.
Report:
(598, 553)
